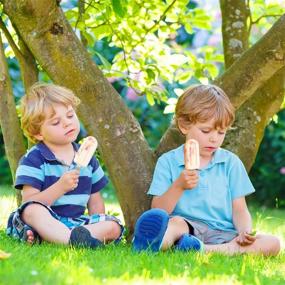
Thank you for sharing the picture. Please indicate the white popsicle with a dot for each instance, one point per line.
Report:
(191, 154)
(86, 151)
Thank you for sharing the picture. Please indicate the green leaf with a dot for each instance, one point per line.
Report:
(188, 28)
(150, 73)
(184, 76)
(101, 31)
(149, 98)
(89, 38)
(104, 61)
(118, 8)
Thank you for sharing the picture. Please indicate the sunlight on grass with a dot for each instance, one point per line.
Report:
(273, 223)
(118, 264)
(8, 203)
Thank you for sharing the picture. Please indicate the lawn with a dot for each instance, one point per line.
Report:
(51, 264)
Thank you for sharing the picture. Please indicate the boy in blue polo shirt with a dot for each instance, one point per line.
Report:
(55, 193)
(203, 209)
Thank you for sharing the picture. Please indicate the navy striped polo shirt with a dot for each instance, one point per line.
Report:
(40, 169)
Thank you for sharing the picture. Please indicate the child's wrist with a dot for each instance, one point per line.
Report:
(61, 186)
(178, 186)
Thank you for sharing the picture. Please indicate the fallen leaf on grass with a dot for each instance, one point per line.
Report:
(4, 255)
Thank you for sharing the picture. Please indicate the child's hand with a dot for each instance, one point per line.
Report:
(188, 179)
(69, 180)
(245, 238)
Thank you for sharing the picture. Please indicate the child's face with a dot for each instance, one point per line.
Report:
(209, 138)
(60, 127)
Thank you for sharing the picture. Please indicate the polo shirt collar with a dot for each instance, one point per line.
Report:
(219, 156)
(48, 154)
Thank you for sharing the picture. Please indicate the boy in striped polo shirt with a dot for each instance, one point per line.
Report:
(55, 193)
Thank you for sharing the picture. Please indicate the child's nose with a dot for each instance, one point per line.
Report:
(66, 123)
(213, 138)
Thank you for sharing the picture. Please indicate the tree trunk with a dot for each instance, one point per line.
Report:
(253, 116)
(125, 152)
(29, 73)
(10, 126)
(235, 15)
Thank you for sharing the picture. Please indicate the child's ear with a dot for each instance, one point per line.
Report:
(183, 127)
(38, 137)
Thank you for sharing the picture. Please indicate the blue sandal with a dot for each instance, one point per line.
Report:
(189, 242)
(150, 229)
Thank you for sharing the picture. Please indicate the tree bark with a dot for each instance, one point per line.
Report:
(10, 126)
(235, 15)
(130, 162)
(253, 116)
(256, 65)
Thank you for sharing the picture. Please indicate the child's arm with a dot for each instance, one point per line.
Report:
(242, 221)
(188, 179)
(67, 182)
(96, 204)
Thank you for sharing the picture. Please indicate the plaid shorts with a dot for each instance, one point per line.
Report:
(16, 227)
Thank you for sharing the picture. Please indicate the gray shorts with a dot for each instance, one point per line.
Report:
(209, 236)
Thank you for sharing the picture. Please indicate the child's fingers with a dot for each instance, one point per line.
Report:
(250, 238)
(75, 172)
(191, 173)
(245, 239)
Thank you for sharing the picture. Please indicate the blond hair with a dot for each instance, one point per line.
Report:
(39, 97)
(203, 102)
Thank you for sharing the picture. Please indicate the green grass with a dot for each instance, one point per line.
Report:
(53, 264)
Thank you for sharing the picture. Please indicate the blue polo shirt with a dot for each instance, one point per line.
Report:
(220, 182)
(40, 169)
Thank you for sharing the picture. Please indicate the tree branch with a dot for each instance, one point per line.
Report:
(255, 66)
(234, 29)
(9, 122)
(10, 40)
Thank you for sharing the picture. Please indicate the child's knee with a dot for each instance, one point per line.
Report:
(178, 222)
(31, 211)
(114, 230)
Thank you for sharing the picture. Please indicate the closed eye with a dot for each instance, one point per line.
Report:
(205, 131)
(55, 123)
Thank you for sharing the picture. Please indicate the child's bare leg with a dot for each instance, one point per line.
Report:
(50, 229)
(105, 231)
(264, 244)
(175, 229)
